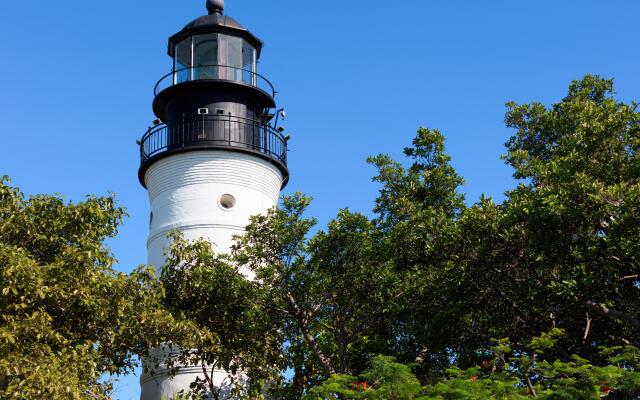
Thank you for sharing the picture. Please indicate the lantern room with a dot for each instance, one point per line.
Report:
(214, 56)
(214, 48)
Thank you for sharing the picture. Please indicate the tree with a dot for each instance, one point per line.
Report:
(66, 317)
(504, 376)
(330, 292)
(237, 313)
(578, 215)
(560, 252)
(405, 305)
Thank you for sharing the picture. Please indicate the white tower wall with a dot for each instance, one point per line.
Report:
(185, 193)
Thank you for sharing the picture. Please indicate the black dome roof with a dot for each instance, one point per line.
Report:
(215, 20)
(213, 23)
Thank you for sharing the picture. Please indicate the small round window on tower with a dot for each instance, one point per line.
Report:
(227, 201)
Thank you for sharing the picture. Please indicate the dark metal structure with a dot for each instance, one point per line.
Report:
(214, 98)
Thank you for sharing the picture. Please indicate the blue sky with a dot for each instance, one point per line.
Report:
(357, 78)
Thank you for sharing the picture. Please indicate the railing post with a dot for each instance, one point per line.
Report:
(203, 130)
(230, 130)
(141, 147)
(181, 130)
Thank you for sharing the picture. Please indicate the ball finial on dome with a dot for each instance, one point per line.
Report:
(215, 6)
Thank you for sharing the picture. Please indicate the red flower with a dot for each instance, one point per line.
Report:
(359, 386)
(604, 389)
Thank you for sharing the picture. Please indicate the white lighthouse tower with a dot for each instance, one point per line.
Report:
(214, 158)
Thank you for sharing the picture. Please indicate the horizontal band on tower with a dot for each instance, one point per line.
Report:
(147, 377)
(179, 227)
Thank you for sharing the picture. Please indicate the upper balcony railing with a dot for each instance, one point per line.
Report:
(215, 72)
(214, 132)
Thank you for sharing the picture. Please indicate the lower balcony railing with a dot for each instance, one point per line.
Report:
(206, 131)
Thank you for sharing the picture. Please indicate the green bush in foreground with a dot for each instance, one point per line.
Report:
(504, 376)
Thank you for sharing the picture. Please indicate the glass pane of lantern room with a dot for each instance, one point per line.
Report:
(182, 61)
(248, 63)
(205, 56)
(233, 57)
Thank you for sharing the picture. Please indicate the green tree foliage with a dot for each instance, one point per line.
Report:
(405, 305)
(560, 251)
(331, 292)
(432, 281)
(66, 317)
(237, 313)
(505, 376)
(384, 379)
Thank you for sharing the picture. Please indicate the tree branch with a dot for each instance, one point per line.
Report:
(616, 315)
(587, 329)
(92, 395)
(530, 386)
(208, 378)
(324, 362)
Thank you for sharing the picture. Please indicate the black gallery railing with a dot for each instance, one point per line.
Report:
(218, 131)
(215, 72)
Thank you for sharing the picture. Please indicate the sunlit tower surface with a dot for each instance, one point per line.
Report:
(214, 156)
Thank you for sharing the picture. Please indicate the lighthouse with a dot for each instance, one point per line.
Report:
(214, 156)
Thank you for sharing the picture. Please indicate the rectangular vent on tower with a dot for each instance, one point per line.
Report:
(203, 111)
(219, 111)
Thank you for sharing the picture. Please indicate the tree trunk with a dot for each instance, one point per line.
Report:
(303, 323)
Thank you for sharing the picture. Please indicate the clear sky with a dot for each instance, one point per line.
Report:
(357, 78)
